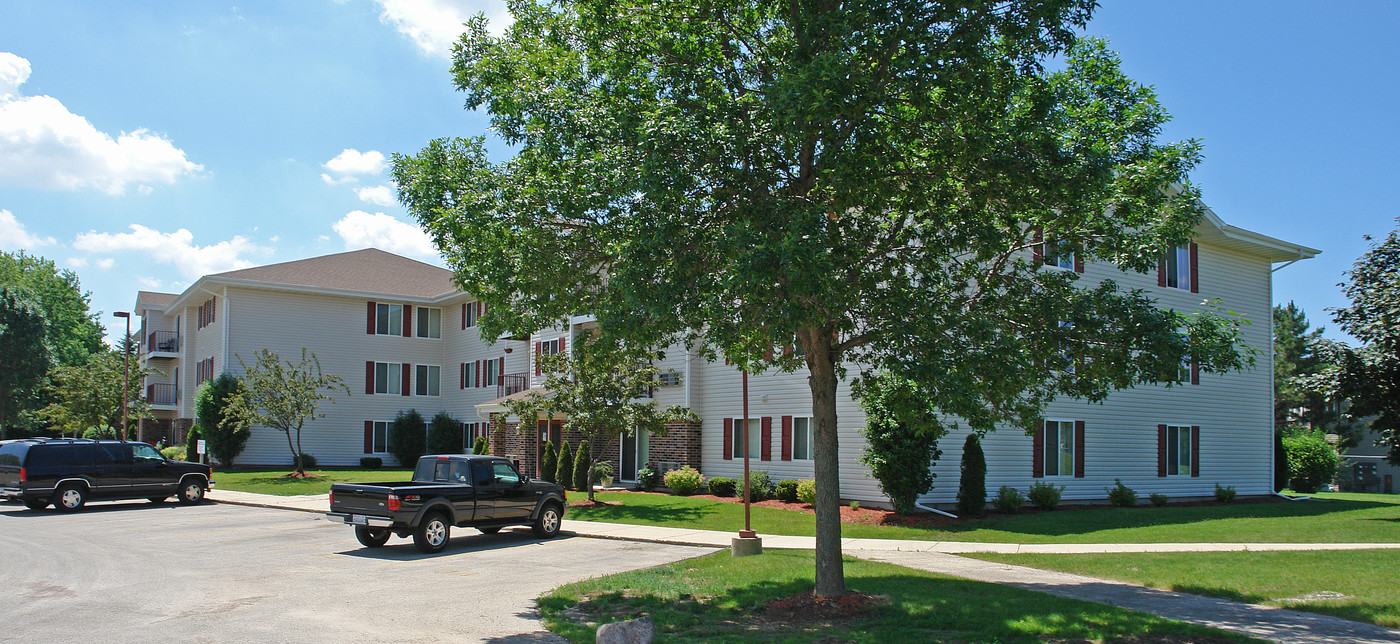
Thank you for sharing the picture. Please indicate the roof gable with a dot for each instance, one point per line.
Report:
(370, 270)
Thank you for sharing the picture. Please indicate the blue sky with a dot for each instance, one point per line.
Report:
(145, 144)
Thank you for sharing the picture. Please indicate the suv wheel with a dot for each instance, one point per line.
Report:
(69, 497)
(191, 491)
(547, 523)
(371, 537)
(432, 534)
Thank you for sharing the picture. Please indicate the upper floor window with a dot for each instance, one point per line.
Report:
(387, 378)
(388, 319)
(428, 380)
(1178, 268)
(470, 312)
(429, 322)
(207, 312)
(490, 373)
(1060, 254)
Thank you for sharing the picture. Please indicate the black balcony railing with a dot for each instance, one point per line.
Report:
(163, 342)
(512, 383)
(161, 394)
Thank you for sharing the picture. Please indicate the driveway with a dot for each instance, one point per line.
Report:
(135, 572)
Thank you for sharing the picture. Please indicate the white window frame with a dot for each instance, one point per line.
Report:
(469, 381)
(471, 314)
(1179, 451)
(427, 380)
(428, 323)
(755, 438)
(802, 426)
(1178, 267)
(1053, 254)
(375, 435)
(489, 372)
(1058, 446)
(393, 372)
(388, 319)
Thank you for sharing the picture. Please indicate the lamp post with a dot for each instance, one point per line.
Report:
(748, 542)
(126, 367)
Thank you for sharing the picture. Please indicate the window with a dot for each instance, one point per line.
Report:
(491, 373)
(1178, 267)
(1178, 450)
(206, 313)
(755, 431)
(381, 437)
(387, 378)
(429, 322)
(469, 371)
(469, 433)
(428, 380)
(1059, 448)
(389, 319)
(504, 473)
(1060, 254)
(802, 438)
(470, 312)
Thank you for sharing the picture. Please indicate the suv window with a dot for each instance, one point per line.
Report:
(42, 456)
(504, 473)
(120, 453)
(144, 453)
(12, 454)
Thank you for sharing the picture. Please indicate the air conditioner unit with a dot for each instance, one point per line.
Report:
(669, 379)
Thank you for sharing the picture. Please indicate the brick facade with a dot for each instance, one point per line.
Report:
(681, 445)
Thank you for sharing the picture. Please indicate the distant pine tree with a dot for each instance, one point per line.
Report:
(972, 485)
(564, 475)
(549, 465)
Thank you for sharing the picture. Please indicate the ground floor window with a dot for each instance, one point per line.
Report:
(1178, 450)
(802, 438)
(381, 437)
(754, 433)
(1059, 448)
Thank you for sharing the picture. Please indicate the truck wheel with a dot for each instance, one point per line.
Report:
(371, 537)
(432, 534)
(547, 523)
(69, 498)
(36, 504)
(191, 491)
(490, 530)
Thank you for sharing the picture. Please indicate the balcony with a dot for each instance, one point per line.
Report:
(163, 344)
(512, 383)
(162, 396)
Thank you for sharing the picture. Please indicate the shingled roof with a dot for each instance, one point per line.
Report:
(370, 270)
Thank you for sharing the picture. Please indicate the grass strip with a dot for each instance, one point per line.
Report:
(717, 598)
(1350, 584)
(277, 482)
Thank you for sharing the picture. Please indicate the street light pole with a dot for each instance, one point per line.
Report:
(126, 368)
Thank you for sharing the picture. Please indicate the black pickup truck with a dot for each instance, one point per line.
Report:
(482, 492)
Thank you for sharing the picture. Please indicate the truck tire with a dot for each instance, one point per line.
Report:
(191, 491)
(69, 497)
(432, 534)
(371, 537)
(547, 523)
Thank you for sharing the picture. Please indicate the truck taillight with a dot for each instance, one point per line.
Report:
(393, 504)
(331, 498)
(23, 475)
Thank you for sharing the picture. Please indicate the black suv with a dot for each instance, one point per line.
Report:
(68, 471)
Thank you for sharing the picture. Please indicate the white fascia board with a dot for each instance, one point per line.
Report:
(204, 285)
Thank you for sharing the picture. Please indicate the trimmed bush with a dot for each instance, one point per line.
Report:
(408, 438)
(174, 453)
(648, 478)
(371, 462)
(1312, 461)
(685, 481)
(482, 446)
(722, 486)
(760, 486)
(565, 474)
(307, 461)
(581, 463)
(901, 438)
(1008, 500)
(549, 463)
(1045, 495)
(224, 437)
(1158, 500)
(807, 491)
(787, 490)
(1280, 462)
(444, 434)
(1122, 495)
(192, 443)
(101, 433)
(1224, 494)
(972, 483)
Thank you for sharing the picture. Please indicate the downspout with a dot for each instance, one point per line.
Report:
(934, 510)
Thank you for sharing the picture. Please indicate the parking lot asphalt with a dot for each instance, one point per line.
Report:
(137, 572)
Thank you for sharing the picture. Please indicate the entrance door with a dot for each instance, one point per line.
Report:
(634, 456)
(549, 430)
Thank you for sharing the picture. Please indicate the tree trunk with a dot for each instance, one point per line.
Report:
(296, 458)
(830, 577)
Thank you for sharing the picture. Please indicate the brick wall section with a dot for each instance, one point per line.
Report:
(681, 444)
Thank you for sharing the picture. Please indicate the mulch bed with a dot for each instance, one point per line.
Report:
(806, 607)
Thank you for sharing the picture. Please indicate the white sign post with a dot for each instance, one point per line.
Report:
(200, 449)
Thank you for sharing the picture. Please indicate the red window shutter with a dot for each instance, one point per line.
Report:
(1079, 449)
(464, 316)
(539, 353)
(787, 438)
(1162, 450)
(1162, 272)
(728, 439)
(563, 341)
(407, 321)
(369, 436)
(787, 350)
(1195, 374)
(1038, 250)
(369, 318)
(462, 375)
(480, 308)
(501, 371)
(1195, 275)
(768, 355)
(407, 373)
(1079, 261)
(765, 438)
(1195, 450)
(477, 365)
(369, 377)
(213, 300)
(1038, 458)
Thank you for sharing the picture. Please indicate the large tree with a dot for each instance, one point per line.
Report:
(284, 396)
(226, 434)
(1370, 376)
(865, 181)
(90, 395)
(73, 331)
(24, 357)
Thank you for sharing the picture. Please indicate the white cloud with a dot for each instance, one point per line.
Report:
(13, 236)
(360, 229)
(380, 195)
(106, 263)
(353, 162)
(435, 25)
(148, 282)
(43, 144)
(175, 248)
(334, 181)
(77, 262)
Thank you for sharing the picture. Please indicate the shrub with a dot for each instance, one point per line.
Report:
(760, 486)
(1312, 462)
(1009, 500)
(648, 478)
(565, 474)
(972, 482)
(1224, 494)
(855, 505)
(722, 486)
(1045, 495)
(549, 463)
(100, 433)
(307, 461)
(602, 469)
(482, 446)
(787, 490)
(581, 463)
(371, 462)
(807, 491)
(225, 437)
(444, 434)
(407, 439)
(174, 453)
(684, 481)
(901, 438)
(192, 443)
(1158, 500)
(1280, 462)
(1122, 495)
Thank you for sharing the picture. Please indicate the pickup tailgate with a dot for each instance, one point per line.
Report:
(363, 498)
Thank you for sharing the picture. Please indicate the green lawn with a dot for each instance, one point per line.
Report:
(1364, 578)
(716, 599)
(276, 481)
(1361, 518)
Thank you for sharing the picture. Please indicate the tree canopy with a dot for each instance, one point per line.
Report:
(24, 357)
(1370, 376)
(864, 181)
(89, 395)
(284, 395)
(226, 434)
(72, 330)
